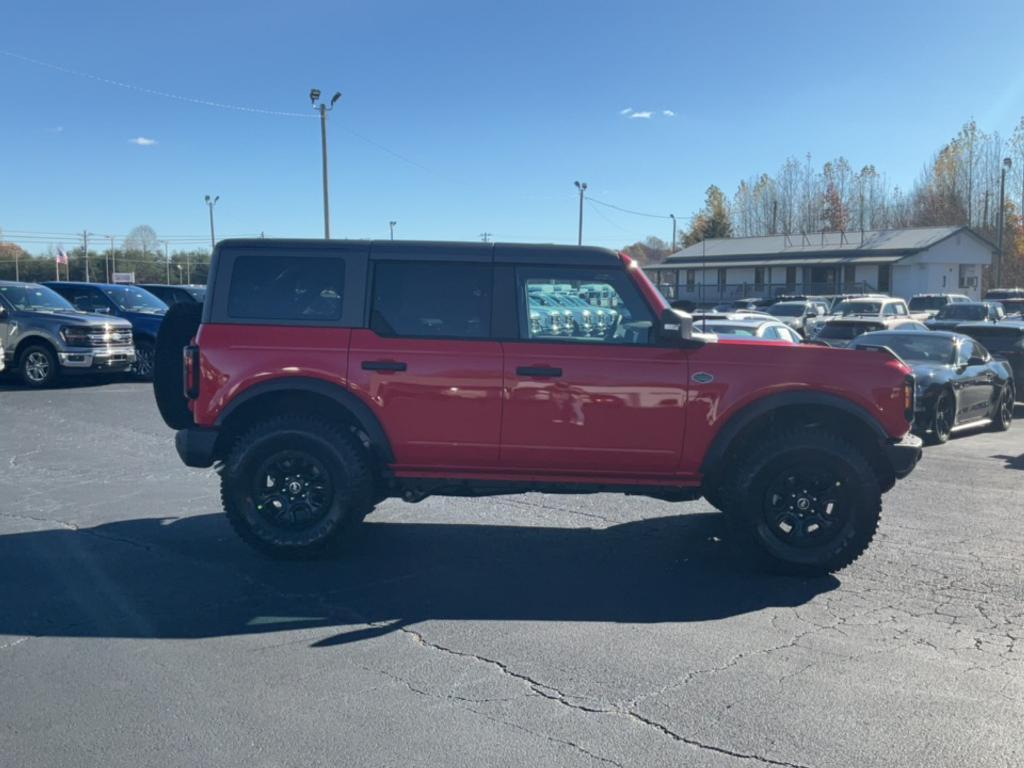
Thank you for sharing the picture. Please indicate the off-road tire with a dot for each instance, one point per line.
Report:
(345, 463)
(34, 359)
(748, 508)
(177, 329)
(1003, 417)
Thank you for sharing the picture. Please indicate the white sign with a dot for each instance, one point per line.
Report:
(124, 277)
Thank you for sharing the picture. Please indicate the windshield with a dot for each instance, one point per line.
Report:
(859, 308)
(919, 347)
(787, 310)
(919, 303)
(131, 299)
(847, 331)
(962, 312)
(35, 298)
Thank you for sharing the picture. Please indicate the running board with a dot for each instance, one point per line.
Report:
(971, 425)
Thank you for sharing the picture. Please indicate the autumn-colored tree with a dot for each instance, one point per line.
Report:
(652, 250)
(712, 221)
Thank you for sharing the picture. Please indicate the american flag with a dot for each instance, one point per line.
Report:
(62, 256)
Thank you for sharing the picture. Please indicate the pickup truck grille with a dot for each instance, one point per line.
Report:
(114, 337)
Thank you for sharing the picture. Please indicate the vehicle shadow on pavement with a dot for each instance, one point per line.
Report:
(10, 383)
(191, 578)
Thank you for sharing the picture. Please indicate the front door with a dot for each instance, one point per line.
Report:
(598, 398)
(977, 383)
(426, 366)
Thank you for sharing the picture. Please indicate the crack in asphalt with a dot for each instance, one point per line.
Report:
(553, 694)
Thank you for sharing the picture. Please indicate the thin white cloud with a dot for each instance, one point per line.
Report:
(668, 113)
(625, 111)
(142, 141)
(641, 116)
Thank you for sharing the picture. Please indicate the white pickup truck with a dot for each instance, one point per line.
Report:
(887, 311)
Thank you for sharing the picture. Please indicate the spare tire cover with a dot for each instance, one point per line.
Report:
(176, 331)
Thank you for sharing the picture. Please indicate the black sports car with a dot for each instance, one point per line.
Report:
(959, 384)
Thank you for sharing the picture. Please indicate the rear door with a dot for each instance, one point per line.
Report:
(601, 404)
(426, 364)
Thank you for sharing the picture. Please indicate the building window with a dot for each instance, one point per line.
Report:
(790, 278)
(849, 275)
(721, 279)
(885, 278)
(758, 278)
(691, 279)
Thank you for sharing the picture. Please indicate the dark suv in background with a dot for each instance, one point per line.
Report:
(176, 294)
(138, 306)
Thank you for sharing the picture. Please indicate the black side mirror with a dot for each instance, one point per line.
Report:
(976, 360)
(676, 326)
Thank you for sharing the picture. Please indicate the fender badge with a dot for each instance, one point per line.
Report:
(701, 377)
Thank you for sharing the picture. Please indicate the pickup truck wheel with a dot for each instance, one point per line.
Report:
(1003, 416)
(294, 487)
(804, 503)
(39, 366)
(145, 353)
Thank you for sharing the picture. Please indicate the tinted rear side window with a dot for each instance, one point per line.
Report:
(282, 287)
(431, 299)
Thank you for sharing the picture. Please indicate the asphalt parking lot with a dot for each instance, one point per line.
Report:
(136, 630)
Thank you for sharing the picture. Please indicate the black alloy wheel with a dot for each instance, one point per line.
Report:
(292, 490)
(1003, 416)
(806, 506)
(943, 417)
(144, 357)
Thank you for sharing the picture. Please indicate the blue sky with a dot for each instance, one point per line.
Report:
(465, 117)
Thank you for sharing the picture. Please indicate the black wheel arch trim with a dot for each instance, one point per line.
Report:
(753, 411)
(364, 417)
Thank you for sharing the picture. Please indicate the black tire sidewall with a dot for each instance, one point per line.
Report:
(1001, 424)
(176, 331)
(54, 367)
(862, 491)
(344, 511)
(942, 437)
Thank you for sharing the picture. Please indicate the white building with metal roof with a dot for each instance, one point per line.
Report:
(901, 262)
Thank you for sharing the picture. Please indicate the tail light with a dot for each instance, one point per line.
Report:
(190, 371)
(908, 399)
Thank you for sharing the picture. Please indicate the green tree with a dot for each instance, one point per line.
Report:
(712, 221)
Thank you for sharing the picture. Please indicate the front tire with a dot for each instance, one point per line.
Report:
(1003, 417)
(804, 503)
(294, 487)
(943, 418)
(39, 367)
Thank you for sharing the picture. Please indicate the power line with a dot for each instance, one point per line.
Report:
(153, 91)
(626, 210)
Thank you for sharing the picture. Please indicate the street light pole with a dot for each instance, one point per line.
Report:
(582, 187)
(85, 252)
(673, 217)
(210, 202)
(1007, 164)
(392, 225)
(323, 109)
(113, 256)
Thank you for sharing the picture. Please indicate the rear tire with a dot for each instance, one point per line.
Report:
(804, 503)
(295, 487)
(38, 366)
(943, 418)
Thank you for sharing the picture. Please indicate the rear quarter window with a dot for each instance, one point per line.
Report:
(287, 288)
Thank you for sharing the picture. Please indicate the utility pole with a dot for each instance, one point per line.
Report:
(392, 225)
(113, 256)
(1007, 164)
(167, 259)
(85, 250)
(323, 109)
(210, 202)
(485, 237)
(673, 248)
(582, 187)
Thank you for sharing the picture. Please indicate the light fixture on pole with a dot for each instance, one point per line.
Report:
(323, 109)
(392, 225)
(582, 187)
(1007, 165)
(210, 202)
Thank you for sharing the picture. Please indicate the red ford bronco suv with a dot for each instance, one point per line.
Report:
(325, 376)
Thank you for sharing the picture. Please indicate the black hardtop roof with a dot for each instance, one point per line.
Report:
(442, 250)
